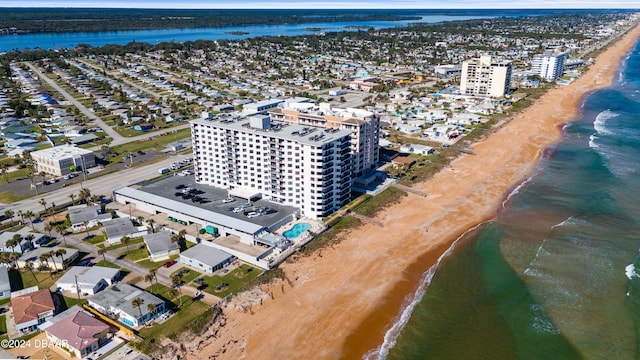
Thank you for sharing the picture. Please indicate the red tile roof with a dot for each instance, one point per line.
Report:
(28, 307)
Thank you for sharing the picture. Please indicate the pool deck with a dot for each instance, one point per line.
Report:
(315, 227)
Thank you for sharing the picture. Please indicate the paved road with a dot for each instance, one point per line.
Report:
(117, 138)
(103, 185)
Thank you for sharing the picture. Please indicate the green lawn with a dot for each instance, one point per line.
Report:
(234, 280)
(43, 279)
(154, 265)
(188, 276)
(190, 311)
(95, 239)
(106, 263)
(135, 253)
(7, 197)
(131, 243)
(3, 324)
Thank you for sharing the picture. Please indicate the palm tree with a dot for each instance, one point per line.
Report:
(21, 214)
(125, 239)
(60, 253)
(50, 255)
(151, 222)
(137, 302)
(30, 238)
(5, 174)
(73, 198)
(29, 214)
(86, 227)
(60, 229)
(103, 252)
(43, 202)
(52, 209)
(13, 257)
(4, 259)
(15, 241)
(151, 308)
(44, 258)
(176, 281)
(48, 227)
(9, 214)
(29, 266)
(140, 219)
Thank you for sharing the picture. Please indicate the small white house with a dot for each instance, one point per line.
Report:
(117, 303)
(416, 149)
(206, 258)
(160, 245)
(89, 280)
(118, 228)
(408, 129)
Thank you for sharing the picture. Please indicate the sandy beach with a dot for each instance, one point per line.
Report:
(339, 303)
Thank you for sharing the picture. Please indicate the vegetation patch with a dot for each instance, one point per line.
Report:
(372, 205)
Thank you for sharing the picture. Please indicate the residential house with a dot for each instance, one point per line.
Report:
(117, 302)
(88, 279)
(82, 216)
(416, 149)
(118, 228)
(206, 258)
(78, 332)
(5, 285)
(160, 245)
(53, 261)
(32, 309)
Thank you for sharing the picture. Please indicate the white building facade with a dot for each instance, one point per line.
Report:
(62, 160)
(549, 65)
(485, 76)
(304, 167)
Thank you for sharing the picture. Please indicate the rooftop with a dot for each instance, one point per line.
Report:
(78, 329)
(206, 254)
(81, 213)
(119, 227)
(160, 242)
(88, 274)
(28, 307)
(302, 134)
(61, 152)
(121, 295)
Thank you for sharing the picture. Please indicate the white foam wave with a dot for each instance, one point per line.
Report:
(409, 304)
(600, 124)
(567, 221)
(630, 271)
(516, 190)
(592, 141)
(540, 321)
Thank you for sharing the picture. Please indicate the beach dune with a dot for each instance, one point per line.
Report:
(339, 304)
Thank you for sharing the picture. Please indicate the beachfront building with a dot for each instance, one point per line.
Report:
(116, 302)
(88, 280)
(206, 258)
(302, 166)
(77, 332)
(363, 125)
(485, 76)
(62, 160)
(548, 65)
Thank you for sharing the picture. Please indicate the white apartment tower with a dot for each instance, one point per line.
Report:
(363, 125)
(548, 65)
(304, 167)
(485, 77)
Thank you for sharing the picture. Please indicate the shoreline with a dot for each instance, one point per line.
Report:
(340, 302)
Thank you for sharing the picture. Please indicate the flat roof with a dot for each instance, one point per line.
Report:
(62, 152)
(79, 214)
(88, 274)
(307, 135)
(121, 295)
(190, 210)
(206, 254)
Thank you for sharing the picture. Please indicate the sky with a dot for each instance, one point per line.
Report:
(329, 4)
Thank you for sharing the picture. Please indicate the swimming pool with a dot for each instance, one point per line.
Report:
(296, 230)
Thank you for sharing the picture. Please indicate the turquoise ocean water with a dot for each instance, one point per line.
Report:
(557, 274)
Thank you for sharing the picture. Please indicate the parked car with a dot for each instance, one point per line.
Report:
(252, 215)
(228, 200)
(169, 263)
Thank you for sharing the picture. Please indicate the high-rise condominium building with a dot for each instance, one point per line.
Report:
(363, 125)
(301, 166)
(485, 76)
(548, 65)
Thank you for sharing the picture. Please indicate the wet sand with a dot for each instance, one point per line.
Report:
(339, 303)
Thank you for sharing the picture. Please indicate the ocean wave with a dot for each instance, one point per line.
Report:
(540, 321)
(630, 271)
(600, 124)
(592, 141)
(409, 304)
(516, 190)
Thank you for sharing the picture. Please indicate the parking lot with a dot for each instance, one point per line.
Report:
(184, 189)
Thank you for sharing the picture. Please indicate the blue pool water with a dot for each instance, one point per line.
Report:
(296, 230)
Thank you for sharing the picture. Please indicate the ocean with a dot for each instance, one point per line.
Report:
(556, 275)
